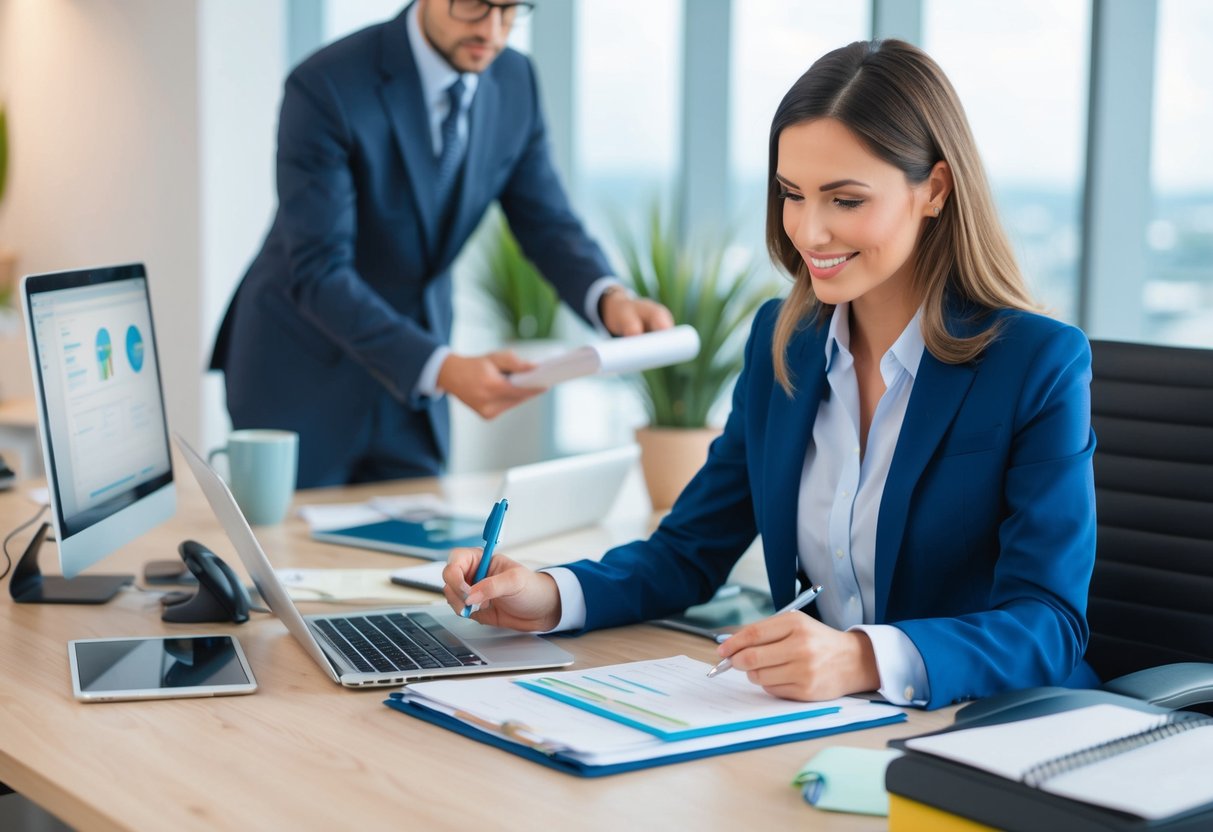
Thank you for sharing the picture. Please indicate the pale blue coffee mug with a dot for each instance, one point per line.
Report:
(262, 465)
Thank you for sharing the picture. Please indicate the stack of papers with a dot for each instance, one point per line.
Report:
(635, 712)
(323, 517)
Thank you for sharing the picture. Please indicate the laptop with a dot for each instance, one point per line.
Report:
(375, 647)
(546, 499)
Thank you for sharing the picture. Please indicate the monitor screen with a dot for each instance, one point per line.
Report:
(101, 408)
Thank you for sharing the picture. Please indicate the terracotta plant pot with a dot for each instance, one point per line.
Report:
(670, 457)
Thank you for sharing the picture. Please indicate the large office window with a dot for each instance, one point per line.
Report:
(1021, 72)
(626, 108)
(1178, 288)
(773, 43)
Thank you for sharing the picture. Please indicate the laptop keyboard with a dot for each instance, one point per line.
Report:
(395, 641)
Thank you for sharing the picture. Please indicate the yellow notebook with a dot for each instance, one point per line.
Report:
(907, 815)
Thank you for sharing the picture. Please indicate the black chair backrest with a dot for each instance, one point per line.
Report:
(1151, 599)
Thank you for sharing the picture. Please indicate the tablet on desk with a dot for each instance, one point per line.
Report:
(733, 607)
(111, 669)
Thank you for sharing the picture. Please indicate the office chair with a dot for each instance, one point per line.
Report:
(1150, 606)
(1151, 599)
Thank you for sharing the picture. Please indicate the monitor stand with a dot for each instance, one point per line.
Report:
(30, 586)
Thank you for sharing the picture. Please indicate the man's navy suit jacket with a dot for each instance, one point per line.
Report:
(351, 291)
(985, 539)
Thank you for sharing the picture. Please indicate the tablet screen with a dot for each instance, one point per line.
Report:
(145, 667)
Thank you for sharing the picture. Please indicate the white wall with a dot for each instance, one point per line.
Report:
(104, 133)
(142, 130)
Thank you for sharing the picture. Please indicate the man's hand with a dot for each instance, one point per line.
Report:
(623, 314)
(480, 381)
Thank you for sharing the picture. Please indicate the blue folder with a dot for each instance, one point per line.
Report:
(576, 767)
(431, 539)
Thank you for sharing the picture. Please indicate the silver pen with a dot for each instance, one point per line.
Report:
(800, 601)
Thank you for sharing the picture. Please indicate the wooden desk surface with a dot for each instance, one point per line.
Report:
(303, 753)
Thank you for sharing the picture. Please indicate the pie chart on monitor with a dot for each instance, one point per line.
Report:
(105, 354)
(134, 347)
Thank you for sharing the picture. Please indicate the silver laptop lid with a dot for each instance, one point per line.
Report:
(547, 498)
(254, 558)
(500, 649)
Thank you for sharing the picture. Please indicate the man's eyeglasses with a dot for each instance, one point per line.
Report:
(474, 11)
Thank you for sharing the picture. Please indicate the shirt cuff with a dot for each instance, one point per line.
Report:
(903, 674)
(594, 295)
(427, 382)
(572, 599)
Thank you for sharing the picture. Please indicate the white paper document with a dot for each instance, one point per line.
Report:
(615, 355)
(350, 585)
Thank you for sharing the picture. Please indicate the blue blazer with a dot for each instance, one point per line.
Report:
(985, 540)
(351, 291)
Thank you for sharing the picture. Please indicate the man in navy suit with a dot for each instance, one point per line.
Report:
(392, 144)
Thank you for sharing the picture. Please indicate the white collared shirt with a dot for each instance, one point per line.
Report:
(436, 78)
(840, 494)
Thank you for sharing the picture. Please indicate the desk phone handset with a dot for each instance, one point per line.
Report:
(220, 595)
(1162, 688)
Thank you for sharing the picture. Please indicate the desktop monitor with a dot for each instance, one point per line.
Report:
(101, 412)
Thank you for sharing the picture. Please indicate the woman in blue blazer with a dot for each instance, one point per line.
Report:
(907, 431)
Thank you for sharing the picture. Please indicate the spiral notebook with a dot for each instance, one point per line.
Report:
(1148, 765)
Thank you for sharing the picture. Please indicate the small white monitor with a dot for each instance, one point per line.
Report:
(101, 412)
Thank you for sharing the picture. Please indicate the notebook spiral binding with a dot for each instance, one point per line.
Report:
(1176, 723)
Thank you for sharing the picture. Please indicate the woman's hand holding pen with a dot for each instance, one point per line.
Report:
(512, 595)
(795, 656)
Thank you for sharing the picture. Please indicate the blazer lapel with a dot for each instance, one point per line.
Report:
(788, 432)
(410, 119)
(939, 390)
(481, 118)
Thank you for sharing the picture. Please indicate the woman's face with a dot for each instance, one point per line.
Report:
(853, 217)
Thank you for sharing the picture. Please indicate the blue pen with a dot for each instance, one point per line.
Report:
(492, 530)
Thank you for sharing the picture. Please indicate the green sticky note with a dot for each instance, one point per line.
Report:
(841, 779)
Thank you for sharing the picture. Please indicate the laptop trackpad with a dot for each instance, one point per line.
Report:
(497, 644)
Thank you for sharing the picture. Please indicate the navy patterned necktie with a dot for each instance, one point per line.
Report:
(452, 149)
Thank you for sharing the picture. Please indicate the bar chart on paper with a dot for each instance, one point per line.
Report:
(672, 699)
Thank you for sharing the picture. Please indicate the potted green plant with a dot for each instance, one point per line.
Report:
(700, 287)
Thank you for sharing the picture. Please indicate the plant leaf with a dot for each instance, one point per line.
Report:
(526, 302)
(3, 151)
